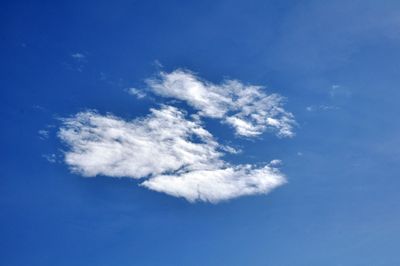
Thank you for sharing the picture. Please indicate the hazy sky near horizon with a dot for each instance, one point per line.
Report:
(200, 133)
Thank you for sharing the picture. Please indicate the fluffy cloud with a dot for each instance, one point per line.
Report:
(161, 142)
(218, 184)
(171, 153)
(248, 109)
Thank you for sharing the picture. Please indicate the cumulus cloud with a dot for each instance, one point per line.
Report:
(158, 143)
(218, 184)
(247, 108)
(173, 154)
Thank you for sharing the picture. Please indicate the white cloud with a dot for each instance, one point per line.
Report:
(247, 108)
(218, 184)
(52, 158)
(137, 93)
(321, 107)
(43, 134)
(159, 143)
(337, 91)
(173, 154)
(78, 56)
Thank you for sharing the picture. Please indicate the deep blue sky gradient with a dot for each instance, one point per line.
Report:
(341, 205)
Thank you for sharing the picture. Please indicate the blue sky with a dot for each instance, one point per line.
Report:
(336, 65)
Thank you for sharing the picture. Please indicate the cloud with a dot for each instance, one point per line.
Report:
(158, 143)
(172, 153)
(52, 158)
(218, 184)
(43, 134)
(78, 56)
(337, 91)
(321, 107)
(79, 60)
(137, 93)
(247, 108)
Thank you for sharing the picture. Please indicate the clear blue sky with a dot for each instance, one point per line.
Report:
(337, 63)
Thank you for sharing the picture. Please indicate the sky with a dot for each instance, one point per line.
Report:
(200, 132)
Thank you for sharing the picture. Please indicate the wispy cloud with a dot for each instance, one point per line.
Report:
(43, 134)
(140, 94)
(174, 154)
(52, 158)
(77, 61)
(337, 91)
(78, 56)
(247, 108)
(321, 107)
